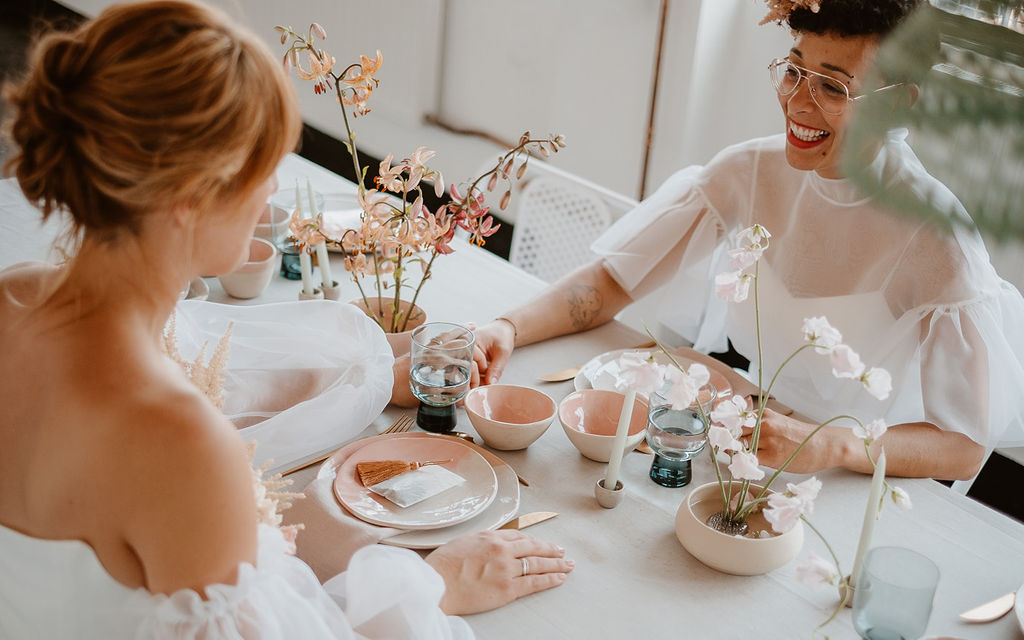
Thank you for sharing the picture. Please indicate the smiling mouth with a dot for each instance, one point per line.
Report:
(805, 137)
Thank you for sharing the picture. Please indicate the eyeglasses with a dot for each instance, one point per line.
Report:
(829, 94)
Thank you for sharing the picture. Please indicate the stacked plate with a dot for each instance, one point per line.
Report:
(488, 498)
(601, 371)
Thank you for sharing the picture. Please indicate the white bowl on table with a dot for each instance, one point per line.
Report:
(250, 279)
(590, 418)
(508, 416)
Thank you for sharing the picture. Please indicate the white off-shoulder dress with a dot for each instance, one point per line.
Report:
(927, 307)
(52, 589)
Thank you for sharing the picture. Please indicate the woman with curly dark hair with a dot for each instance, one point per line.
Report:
(927, 308)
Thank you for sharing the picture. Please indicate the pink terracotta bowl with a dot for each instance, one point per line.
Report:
(590, 417)
(250, 279)
(508, 416)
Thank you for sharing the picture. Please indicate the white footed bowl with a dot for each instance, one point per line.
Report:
(731, 554)
(250, 279)
(590, 416)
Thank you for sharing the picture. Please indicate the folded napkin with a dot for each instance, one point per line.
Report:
(330, 535)
(406, 489)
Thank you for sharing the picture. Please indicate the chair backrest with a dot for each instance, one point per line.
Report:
(556, 221)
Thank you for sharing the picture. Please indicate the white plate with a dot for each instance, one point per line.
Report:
(1018, 607)
(452, 506)
(590, 376)
(504, 507)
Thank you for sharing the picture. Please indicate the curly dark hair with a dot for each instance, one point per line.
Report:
(852, 17)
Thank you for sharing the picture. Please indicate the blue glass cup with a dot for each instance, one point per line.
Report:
(894, 593)
(676, 436)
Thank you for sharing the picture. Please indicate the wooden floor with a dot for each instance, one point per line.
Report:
(997, 486)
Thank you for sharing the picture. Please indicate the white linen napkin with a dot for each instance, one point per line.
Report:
(406, 489)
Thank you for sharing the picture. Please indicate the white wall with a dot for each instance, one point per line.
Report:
(583, 68)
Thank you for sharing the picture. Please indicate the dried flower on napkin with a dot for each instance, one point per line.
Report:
(375, 471)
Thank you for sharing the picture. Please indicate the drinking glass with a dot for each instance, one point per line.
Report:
(441, 363)
(893, 597)
(677, 436)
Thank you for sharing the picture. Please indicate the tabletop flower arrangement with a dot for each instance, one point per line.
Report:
(399, 237)
(735, 428)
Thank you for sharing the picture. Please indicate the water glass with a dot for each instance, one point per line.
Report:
(893, 598)
(677, 436)
(440, 367)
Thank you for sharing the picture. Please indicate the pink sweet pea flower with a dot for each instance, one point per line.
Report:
(871, 431)
(639, 372)
(744, 467)
(732, 286)
(901, 499)
(805, 492)
(816, 572)
(722, 440)
(744, 257)
(845, 362)
(783, 511)
(878, 382)
(733, 415)
(752, 236)
(820, 333)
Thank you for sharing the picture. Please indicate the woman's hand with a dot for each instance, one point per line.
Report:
(781, 435)
(484, 571)
(495, 340)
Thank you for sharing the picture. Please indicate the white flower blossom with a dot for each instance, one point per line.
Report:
(783, 511)
(845, 362)
(820, 333)
(871, 431)
(639, 372)
(722, 440)
(732, 414)
(901, 499)
(744, 257)
(805, 492)
(744, 467)
(878, 382)
(752, 236)
(732, 286)
(816, 572)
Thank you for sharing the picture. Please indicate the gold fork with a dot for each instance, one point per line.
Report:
(401, 425)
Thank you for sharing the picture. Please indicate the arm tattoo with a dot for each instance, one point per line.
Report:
(585, 305)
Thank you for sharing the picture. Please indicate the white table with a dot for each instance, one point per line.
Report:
(632, 577)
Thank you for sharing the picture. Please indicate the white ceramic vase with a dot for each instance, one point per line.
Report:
(737, 555)
(401, 341)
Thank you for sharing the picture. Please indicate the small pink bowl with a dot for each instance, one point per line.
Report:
(508, 416)
(250, 279)
(590, 417)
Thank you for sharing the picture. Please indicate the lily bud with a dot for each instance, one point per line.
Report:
(505, 200)
(493, 182)
(439, 185)
(507, 168)
(560, 140)
(521, 171)
(284, 37)
(544, 151)
(318, 31)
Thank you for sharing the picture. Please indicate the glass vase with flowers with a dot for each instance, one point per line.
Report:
(393, 249)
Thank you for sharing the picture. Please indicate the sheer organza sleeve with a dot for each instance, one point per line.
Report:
(386, 593)
(301, 376)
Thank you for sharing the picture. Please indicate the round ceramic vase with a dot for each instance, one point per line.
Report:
(400, 342)
(737, 555)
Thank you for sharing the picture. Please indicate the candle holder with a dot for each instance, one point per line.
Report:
(332, 292)
(608, 498)
(316, 295)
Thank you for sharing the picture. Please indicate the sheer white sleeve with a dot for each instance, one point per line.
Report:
(386, 593)
(301, 376)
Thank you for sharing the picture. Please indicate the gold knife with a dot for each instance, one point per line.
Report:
(990, 610)
(528, 520)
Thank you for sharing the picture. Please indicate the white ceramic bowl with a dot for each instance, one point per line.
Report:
(250, 279)
(508, 416)
(273, 224)
(590, 417)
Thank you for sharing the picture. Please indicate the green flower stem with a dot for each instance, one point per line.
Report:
(764, 393)
(839, 571)
(416, 294)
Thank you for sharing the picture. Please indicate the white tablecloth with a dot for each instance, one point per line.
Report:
(632, 577)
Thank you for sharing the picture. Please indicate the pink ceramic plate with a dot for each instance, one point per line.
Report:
(590, 375)
(504, 507)
(447, 508)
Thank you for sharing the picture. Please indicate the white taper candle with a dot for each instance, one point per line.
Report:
(870, 515)
(619, 444)
(305, 264)
(321, 249)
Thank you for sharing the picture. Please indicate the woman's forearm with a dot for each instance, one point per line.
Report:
(915, 450)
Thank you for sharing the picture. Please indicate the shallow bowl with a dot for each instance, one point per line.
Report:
(273, 224)
(590, 417)
(250, 279)
(508, 416)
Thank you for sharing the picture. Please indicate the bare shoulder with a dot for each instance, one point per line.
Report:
(192, 507)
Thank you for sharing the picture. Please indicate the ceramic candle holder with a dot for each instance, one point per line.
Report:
(608, 498)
